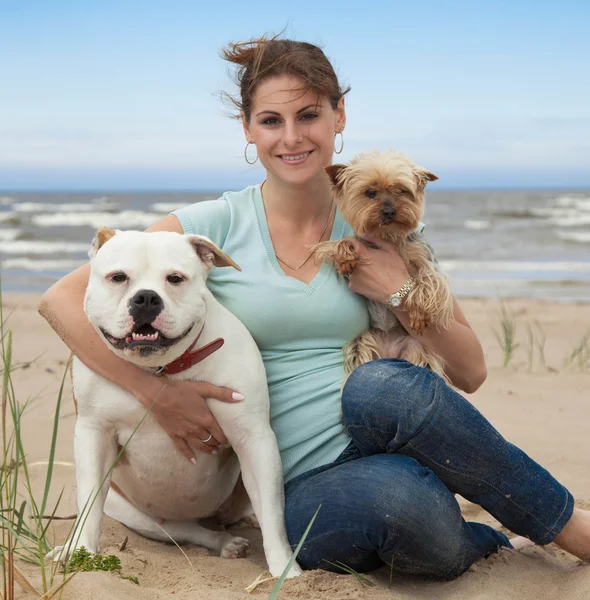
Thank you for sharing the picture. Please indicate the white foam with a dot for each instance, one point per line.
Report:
(29, 264)
(41, 247)
(554, 212)
(582, 237)
(73, 207)
(477, 225)
(7, 216)
(9, 234)
(514, 266)
(580, 202)
(573, 221)
(128, 219)
(168, 207)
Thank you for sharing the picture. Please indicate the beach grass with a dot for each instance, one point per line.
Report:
(506, 334)
(23, 525)
(536, 339)
(579, 357)
(362, 579)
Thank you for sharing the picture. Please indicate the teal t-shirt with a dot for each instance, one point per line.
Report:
(300, 328)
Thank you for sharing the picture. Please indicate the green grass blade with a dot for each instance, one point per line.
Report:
(279, 584)
(51, 458)
(362, 579)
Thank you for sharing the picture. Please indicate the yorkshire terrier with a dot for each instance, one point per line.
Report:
(382, 195)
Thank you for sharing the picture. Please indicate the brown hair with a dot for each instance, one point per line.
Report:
(261, 58)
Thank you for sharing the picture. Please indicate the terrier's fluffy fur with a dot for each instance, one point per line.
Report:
(382, 195)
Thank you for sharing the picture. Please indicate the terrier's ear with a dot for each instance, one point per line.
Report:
(424, 176)
(209, 253)
(335, 172)
(103, 235)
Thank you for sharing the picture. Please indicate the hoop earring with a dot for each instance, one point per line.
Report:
(341, 143)
(250, 162)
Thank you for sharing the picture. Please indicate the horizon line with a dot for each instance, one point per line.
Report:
(457, 188)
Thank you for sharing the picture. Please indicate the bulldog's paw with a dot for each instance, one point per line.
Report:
(63, 553)
(251, 521)
(277, 570)
(294, 571)
(237, 547)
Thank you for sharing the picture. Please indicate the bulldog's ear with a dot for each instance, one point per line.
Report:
(103, 235)
(424, 176)
(209, 253)
(335, 172)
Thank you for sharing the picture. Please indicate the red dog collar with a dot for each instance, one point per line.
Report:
(190, 358)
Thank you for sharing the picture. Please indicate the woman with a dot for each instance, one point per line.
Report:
(387, 485)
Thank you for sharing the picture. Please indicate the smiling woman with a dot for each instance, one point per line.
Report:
(410, 441)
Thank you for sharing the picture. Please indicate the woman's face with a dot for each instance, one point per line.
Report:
(293, 132)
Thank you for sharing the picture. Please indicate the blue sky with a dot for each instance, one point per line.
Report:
(122, 94)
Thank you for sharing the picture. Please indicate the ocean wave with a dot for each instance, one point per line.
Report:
(9, 234)
(517, 213)
(580, 202)
(42, 207)
(29, 264)
(514, 266)
(571, 221)
(41, 247)
(553, 212)
(477, 225)
(168, 207)
(128, 219)
(583, 237)
(9, 217)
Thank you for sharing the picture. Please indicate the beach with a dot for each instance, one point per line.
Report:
(540, 402)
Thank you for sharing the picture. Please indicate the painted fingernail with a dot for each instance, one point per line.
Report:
(238, 396)
(194, 460)
(215, 451)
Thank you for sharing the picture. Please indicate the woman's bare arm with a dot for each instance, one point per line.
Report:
(381, 271)
(180, 406)
(458, 346)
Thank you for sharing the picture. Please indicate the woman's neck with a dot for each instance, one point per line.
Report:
(299, 205)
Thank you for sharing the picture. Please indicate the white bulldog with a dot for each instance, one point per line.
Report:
(147, 298)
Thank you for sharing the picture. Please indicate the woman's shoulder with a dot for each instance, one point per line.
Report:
(212, 218)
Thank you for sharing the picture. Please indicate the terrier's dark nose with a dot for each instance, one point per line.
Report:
(388, 213)
(145, 306)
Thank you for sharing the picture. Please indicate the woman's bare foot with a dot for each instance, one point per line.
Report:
(521, 542)
(575, 536)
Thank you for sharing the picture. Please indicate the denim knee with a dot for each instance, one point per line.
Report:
(388, 400)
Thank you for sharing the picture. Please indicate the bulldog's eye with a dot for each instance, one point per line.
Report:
(175, 279)
(371, 193)
(119, 277)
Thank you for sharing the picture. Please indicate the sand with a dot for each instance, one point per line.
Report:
(544, 410)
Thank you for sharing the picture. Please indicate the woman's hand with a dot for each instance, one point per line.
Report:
(381, 271)
(180, 408)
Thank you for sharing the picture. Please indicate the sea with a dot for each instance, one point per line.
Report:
(492, 244)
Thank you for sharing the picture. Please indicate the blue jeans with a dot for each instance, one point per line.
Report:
(389, 497)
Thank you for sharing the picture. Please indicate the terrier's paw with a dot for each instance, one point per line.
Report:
(237, 547)
(419, 323)
(347, 267)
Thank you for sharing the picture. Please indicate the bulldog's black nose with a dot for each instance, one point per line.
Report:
(388, 213)
(145, 306)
